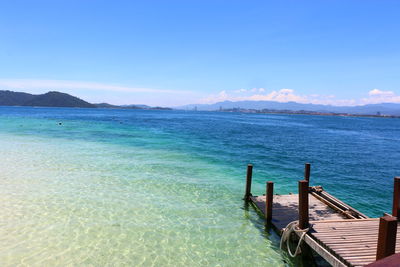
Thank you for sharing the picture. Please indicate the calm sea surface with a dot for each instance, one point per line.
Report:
(94, 187)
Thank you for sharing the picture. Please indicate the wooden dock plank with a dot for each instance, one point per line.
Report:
(354, 241)
(285, 209)
(324, 253)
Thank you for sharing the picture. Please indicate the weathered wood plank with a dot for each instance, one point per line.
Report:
(285, 209)
(324, 253)
(344, 221)
(354, 241)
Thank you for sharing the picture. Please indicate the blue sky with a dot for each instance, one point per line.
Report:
(180, 52)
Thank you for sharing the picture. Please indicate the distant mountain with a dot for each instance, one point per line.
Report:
(50, 99)
(371, 109)
(57, 99)
(136, 106)
(106, 105)
(9, 98)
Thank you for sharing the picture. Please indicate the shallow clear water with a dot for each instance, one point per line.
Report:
(164, 188)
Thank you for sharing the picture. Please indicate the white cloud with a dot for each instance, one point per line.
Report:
(287, 95)
(283, 95)
(286, 91)
(65, 84)
(378, 92)
(377, 96)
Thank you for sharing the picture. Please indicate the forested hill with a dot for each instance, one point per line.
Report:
(50, 99)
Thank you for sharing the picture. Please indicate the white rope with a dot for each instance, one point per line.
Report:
(293, 228)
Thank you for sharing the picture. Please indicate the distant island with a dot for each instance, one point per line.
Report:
(58, 99)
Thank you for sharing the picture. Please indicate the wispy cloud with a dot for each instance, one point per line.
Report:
(65, 84)
(282, 95)
(286, 95)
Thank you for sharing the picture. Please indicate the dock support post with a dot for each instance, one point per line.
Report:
(396, 198)
(386, 237)
(269, 198)
(249, 176)
(307, 169)
(303, 204)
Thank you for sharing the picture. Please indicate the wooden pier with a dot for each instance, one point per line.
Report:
(340, 234)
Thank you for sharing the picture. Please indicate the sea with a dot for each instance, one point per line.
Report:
(114, 187)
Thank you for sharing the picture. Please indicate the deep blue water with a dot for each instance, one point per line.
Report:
(353, 158)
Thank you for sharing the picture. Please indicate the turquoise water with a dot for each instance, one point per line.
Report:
(163, 188)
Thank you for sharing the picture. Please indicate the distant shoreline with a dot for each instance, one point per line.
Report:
(304, 112)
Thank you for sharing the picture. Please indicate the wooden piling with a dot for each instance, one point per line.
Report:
(269, 200)
(307, 169)
(303, 204)
(396, 198)
(249, 176)
(386, 237)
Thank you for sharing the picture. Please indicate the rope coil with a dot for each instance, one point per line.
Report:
(293, 227)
